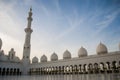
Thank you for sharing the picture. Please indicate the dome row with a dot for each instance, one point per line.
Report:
(4, 57)
(82, 52)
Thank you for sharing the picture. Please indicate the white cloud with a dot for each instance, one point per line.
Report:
(43, 41)
(73, 23)
(10, 28)
(10, 42)
(107, 21)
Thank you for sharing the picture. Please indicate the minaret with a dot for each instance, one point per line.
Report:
(27, 46)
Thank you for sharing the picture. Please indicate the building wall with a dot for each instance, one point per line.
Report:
(110, 57)
(10, 68)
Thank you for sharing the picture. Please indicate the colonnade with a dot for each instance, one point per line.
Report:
(102, 67)
(10, 71)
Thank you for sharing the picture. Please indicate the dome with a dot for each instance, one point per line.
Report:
(35, 60)
(101, 49)
(1, 52)
(54, 57)
(43, 58)
(0, 43)
(3, 58)
(12, 49)
(16, 59)
(82, 52)
(66, 55)
(12, 52)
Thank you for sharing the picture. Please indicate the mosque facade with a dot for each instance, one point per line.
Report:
(102, 62)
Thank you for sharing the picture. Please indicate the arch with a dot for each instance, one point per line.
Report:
(115, 67)
(0, 70)
(85, 68)
(108, 67)
(75, 69)
(50, 70)
(67, 69)
(7, 71)
(71, 69)
(90, 68)
(80, 68)
(14, 71)
(59, 70)
(119, 66)
(62, 69)
(30, 71)
(45, 70)
(11, 71)
(96, 68)
(114, 64)
(41, 70)
(102, 67)
(37, 71)
(3, 71)
(53, 70)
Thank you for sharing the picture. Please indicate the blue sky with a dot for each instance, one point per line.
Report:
(59, 25)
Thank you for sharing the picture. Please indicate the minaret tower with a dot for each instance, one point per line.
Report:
(27, 45)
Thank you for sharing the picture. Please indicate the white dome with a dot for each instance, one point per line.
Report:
(54, 57)
(3, 58)
(101, 49)
(0, 43)
(82, 52)
(16, 59)
(12, 52)
(1, 52)
(35, 60)
(66, 55)
(43, 58)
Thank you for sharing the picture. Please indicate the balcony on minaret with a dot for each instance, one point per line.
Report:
(29, 18)
(28, 30)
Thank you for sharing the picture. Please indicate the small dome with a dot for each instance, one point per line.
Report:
(54, 57)
(101, 49)
(66, 55)
(3, 58)
(1, 52)
(43, 58)
(12, 52)
(82, 52)
(16, 59)
(12, 49)
(0, 43)
(35, 60)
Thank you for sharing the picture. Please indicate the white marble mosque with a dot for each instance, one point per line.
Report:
(102, 62)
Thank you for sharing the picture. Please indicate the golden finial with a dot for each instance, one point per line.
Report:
(31, 9)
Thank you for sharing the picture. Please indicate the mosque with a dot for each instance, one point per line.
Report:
(102, 62)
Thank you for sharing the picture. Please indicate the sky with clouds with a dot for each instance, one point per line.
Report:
(59, 25)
